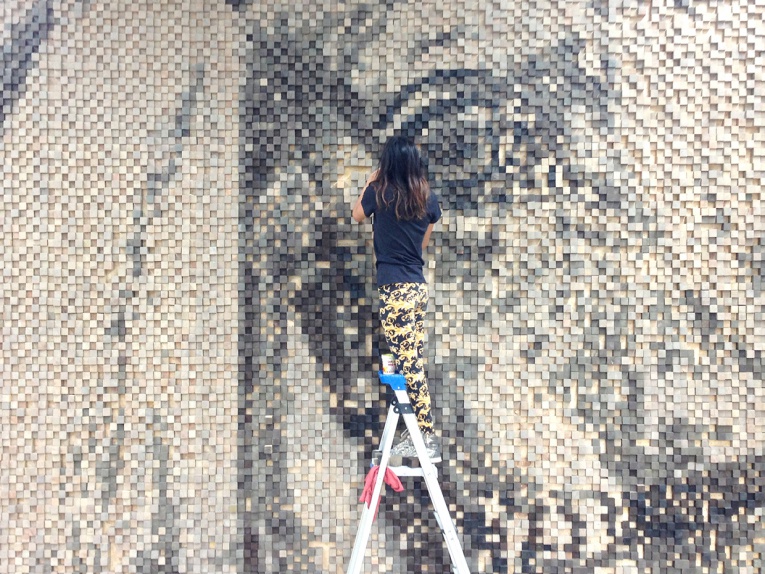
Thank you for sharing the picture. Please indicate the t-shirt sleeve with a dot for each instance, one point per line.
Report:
(434, 209)
(369, 201)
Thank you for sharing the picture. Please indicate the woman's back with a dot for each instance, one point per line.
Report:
(398, 242)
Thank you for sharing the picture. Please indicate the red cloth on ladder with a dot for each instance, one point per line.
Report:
(390, 479)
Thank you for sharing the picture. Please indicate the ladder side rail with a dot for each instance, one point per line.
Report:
(430, 474)
(445, 522)
(368, 513)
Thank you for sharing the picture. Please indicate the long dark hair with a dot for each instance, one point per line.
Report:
(403, 170)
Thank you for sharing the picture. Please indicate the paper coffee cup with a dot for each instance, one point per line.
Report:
(388, 364)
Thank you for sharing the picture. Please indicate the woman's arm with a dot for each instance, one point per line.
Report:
(358, 211)
(426, 238)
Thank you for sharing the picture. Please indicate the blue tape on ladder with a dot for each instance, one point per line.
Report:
(396, 381)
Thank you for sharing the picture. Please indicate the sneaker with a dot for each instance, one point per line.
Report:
(405, 447)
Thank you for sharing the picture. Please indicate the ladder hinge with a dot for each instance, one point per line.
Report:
(404, 409)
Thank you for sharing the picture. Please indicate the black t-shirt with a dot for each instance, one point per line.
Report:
(398, 244)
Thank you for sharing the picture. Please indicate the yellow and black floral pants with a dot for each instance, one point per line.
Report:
(402, 311)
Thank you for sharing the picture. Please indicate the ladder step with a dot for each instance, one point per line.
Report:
(377, 457)
(407, 471)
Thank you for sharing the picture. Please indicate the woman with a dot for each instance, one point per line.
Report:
(405, 210)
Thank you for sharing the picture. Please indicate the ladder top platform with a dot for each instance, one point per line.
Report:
(396, 381)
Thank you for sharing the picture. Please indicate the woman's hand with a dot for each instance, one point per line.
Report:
(358, 211)
(371, 178)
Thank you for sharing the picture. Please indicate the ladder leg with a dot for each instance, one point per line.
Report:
(430, 474)
(368, 513)
(445, 522)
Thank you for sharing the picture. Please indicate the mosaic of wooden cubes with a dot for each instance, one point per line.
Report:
(189, 321)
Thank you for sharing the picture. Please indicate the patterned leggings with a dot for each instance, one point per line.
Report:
(402, 311)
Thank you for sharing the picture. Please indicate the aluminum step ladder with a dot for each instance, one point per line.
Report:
(401, 407)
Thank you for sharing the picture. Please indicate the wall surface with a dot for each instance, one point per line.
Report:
(189, 333)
